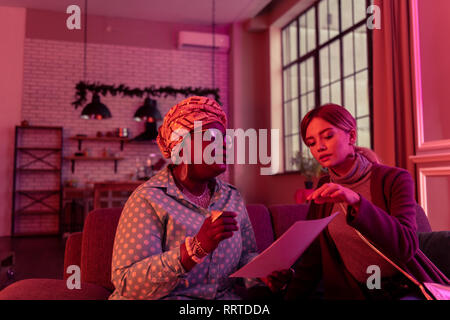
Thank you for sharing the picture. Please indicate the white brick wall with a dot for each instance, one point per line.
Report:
(52, 69)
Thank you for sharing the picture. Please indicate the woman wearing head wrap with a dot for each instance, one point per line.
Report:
(183, 232)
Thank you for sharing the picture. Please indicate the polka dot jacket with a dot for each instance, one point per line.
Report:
(155, 221)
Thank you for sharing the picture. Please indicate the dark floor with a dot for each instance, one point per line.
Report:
(35, 257)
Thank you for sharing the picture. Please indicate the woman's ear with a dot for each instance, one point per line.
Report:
(352, 137)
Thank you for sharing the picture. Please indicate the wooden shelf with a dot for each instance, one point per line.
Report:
(37, 170)
(106, 139)
(100, 138)
(78, 158)
(38, 191)
(36, 212)
(93, 158)
(39, 149)
(36, 234)
(40, 127)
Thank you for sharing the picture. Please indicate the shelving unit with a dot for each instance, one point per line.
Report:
(31, 165)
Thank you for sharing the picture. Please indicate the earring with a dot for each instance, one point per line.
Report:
(184, 172)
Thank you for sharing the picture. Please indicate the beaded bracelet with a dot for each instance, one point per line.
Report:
(190, 248)
(198, 249)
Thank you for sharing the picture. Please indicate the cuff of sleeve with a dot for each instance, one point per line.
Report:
(172, 259)
(353, 216)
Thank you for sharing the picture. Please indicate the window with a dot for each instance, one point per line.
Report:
(326, 59)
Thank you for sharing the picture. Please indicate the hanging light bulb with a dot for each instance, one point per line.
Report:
(95, 110)
(148, 112)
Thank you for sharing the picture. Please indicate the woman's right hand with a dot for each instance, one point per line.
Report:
(278, 280)
(212, 233)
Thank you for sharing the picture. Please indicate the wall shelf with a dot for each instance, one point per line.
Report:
(73, 159)
(80, 140)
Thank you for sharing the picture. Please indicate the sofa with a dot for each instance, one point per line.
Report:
(91, 249)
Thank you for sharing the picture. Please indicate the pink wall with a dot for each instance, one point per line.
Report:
(434, 27)
(12, 33)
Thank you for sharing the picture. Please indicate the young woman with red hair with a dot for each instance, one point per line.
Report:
(375, 201)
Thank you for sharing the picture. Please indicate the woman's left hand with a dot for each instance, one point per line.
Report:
(332, 192)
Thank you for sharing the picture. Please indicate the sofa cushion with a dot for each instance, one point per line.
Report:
(436, 246)
(262, 225)
(97, 246)
(52, 289)
(283, 216)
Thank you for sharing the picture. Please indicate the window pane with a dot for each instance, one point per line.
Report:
(304, 106)
(311, 101)
(335, 61)
(292, 146)
(362, 93)
(307, 76)
(363, 132)
(347, 14)
(303, 78)
(290, 43)
(290, 83)
(311, 27)
(291, 117)
(324, 66)
(284, 37)
(349, 91)
(361, 48)
(348, 54)
(359, 7)
(303, 35)
(333, 18)
(323, 21)
(336, 93)
(325, 95)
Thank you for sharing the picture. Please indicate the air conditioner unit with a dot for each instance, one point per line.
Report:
(188, 40)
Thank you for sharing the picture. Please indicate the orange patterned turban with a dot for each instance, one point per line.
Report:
(182, 117)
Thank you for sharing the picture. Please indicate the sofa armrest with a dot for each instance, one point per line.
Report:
(72, 255)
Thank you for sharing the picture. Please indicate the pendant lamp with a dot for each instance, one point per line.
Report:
(94, 110)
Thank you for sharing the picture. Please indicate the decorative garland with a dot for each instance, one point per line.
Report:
(82, 88)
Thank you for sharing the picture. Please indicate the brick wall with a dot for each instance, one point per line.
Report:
(52, 69)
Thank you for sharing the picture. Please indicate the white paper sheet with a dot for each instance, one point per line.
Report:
(285, 250)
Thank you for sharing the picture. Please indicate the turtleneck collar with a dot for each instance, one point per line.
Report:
(360, 168)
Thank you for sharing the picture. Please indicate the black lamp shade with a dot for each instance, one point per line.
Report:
(148, 112)
(96, 109)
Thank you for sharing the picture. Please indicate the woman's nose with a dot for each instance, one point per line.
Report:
(321, 147)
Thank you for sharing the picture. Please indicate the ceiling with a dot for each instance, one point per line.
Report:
(176, 11)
